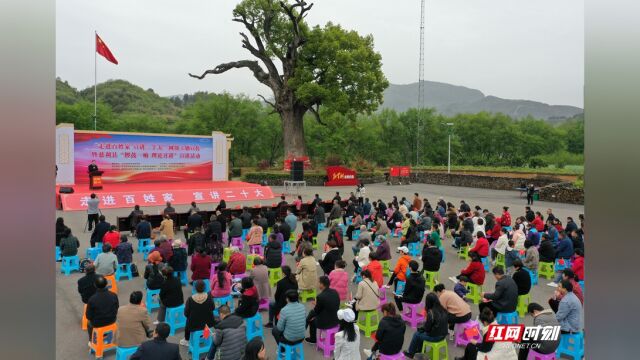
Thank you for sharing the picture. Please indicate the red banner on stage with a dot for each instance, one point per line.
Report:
(340, 176)
(400, 171)
(304, 159)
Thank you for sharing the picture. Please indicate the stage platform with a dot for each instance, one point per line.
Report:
(125, 195)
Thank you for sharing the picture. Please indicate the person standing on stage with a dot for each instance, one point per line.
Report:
(93, 167)
(92, 211)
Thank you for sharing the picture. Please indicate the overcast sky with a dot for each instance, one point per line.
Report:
(516, 49)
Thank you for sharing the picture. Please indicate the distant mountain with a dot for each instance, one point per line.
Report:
(450, 100)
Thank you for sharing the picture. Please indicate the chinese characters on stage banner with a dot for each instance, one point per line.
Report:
(143, 158)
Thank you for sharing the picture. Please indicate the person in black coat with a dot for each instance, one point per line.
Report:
(505, 297)
(179, 259)
(270, 215)
(521, 277)
(170, 292)
(98, 233)
(245, 216)
(194, 221)
(328, 262)
(249, 301)
(143, 230)
(546, 250)
(102, 307)
(435, 327)
(214, 228)
(288, 282)
(325, 314)
(273, 252)
(285, 230)
(390, 333)
(431, 257)
(158, 348)
(198, 310)
(87, 283)
(414, 287)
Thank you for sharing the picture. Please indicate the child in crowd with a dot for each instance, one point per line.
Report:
(510, 255)
(461, 287)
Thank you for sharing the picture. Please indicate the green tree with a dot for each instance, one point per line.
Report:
(326, 66)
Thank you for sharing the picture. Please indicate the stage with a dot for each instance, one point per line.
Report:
(126, 195)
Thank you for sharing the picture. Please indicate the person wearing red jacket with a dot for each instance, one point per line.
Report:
(577, 265)
(112, 237)
(538, 223)
(505, 220)
(237, 262)
(475, 270)
(375, 268)
(200, 265)
(482, 245)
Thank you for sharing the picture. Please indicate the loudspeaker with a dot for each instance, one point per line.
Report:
(297, 170)
(66, 190)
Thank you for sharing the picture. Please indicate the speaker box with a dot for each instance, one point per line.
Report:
(297, 171)
(66, 190)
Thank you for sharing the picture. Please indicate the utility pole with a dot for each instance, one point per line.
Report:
(450, 130)
(420, 82)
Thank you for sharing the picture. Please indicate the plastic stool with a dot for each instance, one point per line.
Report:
(198, 344)
(475, 293)
(103, 339)
(545, 269)
(534, 355)
(92, 253)
(152, 300)
(219, 301)
(126, 272)
(523, 303)
(245, 232)
(226, 254)
(238, 277)
(175, 318)
(434, 352)
(70, 264)
(385, 267)
(286, 247)
(398, 356)
(145, 251)
(507, 318)
(306, 294)
(182, 275)
(368, 321)
(581, 282)
(431, 278)
(383, 297)
(275, 274)
(255, 249)
(561, 264)
(263, 304)
(533, 274)
(411, 313)
(326, 340)
(207, 286)
(414, 249)
(112, 284)
(485, 262)
(321, 227)
(254, 326)
(463, 253)
(236, 241)
(58, 254)
(400, 287)
(314, 243)
(461, 338)
(125, 353)
(265, 239)
(500, 261)
(443, 254)
(84, 323)
(572, 345)
(290, 352)
(249, 262)
(142, 243)
(355, 234)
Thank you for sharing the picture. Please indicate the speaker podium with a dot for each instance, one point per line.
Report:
(95, 180)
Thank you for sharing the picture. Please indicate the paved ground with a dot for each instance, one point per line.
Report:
(72, 341)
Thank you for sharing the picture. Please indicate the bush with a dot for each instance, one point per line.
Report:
(263, 165)
(333, 160)
(537, 162)
(235, 172)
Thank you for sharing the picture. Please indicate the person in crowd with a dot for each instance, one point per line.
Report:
(237, 262)
(255, 350)
(367, 296)
(194, 221)
(328, 261)
(200, 265)
(235, 227)
(510, 256)
(531, 257)
(458, 310)
(260, 275)
(288, 282)
(546, 250)
(501, 243)
(291, 326)
(414, 288)
(143, 229)
(482, 245)
(541, 317)
(124, 250)
(521, 278)
(431, 257)
(152, 272)
(87, 283)
(491, 350)
(69, 244)
(335, 213)
(347, 340)
(170, 293)
(306, 272)
(400, 270)
(339, 279)
(166, 227)
(383, 252)
(538, 222)
(179, 260)
(273, 252)
(229, 337)
(198, 309)
(106, 263)
(382, 230)
(390, 334)
(60, 230)
(249, 301)
(356, 223)
(375, 268)
(133, 321)
(567, 274)
(165, 248)
(569, 313)
(245, 218)
(577, 265)
(254, 237)
(518, 236)
(221, 206)
(169, 209)
(324, 314)
(291, 220)
(102, 307)
(318, 214)
(214, 229)
(92, 211)
(158, 348)
(435, 327)
(461, 287)
(361, 253)
(505, 297)
(475, 270)
(221, 284)
(98, 233)
(564, 247)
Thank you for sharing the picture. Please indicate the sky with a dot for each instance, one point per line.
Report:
(514, 49)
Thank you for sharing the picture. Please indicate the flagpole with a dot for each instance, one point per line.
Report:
(95, 80)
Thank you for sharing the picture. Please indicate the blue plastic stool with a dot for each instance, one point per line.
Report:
(198, 344)
(92, 253)
(143, 243)
(414, 249)
(534, 276)
(442, 252)
(254, 326)
(125, 353)
(182, 275)
(219, 301)
(290, 352)
(400, 287)
(175, 318)
(126, 272)
(286, 247)
(572, 345)
(581, 282)
(358, 276)
(244, 233)
(70, 264)
(355, 234)
(507, 318)
(207, 286)
(485, 262)
(321, 227)
(145, 251)
(152, 300)
(58, 254)
(559, 267)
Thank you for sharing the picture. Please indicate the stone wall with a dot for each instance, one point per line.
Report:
(480, 181)
(562, 192)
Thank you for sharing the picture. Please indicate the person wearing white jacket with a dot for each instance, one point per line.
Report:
(347, 346)
(501, 244)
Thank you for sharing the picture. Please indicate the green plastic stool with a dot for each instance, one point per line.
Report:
(545, 269)
(275, 275)
(500, 261)
(523, 303)
(385, 267)
(368, 321)
(226, 254)
(314, 243)
(250, 258)
(463, 253)
(431, 278)
(475, 293)
(434, 352)
(306, 294)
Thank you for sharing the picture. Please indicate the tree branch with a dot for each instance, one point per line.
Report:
(275, 108)
(258, 73)
(316, 114)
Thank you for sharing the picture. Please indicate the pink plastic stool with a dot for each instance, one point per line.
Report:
(326, 340)
(533, 355)
(255, 249)
(212, 271)
(263, 304)
(398, 356)
(461, 337)
(237, 241)
(411, 313)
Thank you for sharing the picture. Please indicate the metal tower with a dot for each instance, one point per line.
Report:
(420, 81)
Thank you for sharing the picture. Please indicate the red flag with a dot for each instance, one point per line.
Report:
(206, 332)
(102, 49)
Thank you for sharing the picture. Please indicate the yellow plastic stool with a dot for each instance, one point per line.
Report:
(431, 278)
(545, 269)
(475, 293)
(250, 258)
(368, 321)
(434, 352)
(500, 261)
(314, 243)
(385, 267)
(306, 294)
(226, 254)
(523, 303)
(275, 275)
(463, 253)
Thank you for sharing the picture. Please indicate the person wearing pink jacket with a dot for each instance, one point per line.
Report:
(254, 237)
(339, 279)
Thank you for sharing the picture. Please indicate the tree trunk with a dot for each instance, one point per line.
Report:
(293, 132)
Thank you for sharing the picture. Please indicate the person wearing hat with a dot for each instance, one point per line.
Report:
(179, 259)
(347, 340)
(152, 272)
(400, 271)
